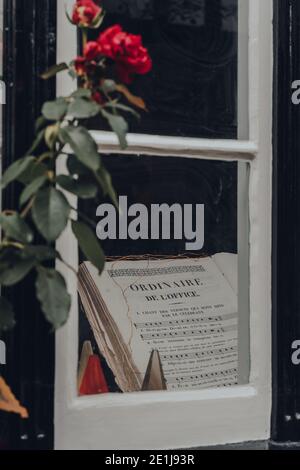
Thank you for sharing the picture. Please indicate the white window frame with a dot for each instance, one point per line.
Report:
(170, 420)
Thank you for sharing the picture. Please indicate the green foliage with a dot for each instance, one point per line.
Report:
(44, 208)
(104, 179)
(32, 188)
(52, 293)
(81, 108)
(118, 125)
(89, 244)
(50, 213)
(82, 144)
(7, 317)
(55, 110)
(34, 170)
(16, 228)
(52, 71)
(16, 170)
(83, 188)
(14, 266)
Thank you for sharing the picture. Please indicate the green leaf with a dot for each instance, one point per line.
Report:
(16, 170)
(52, 71)
(122, 107)
(89, 244)
(75, 167)
(82, 93)
(104, 179)
(16, 228)
(68, 16)
(7, 317)
(98, 20)
(72, 72)
(14, 266)
(32, 189)
(55, 110)
(40, 252)
(52, 293)
(109, 86)
(50, 213)
(51, 133)
(40, 123)
(83, 109)
(118, 125)
(32, 172)
(36, 143)
(83, 188)
(82, 144)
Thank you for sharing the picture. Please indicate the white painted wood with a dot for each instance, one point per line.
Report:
(162, 420)
(142, 144)
(243, 70)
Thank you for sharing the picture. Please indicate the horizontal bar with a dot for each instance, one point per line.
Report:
(142, 144)
(144, 398)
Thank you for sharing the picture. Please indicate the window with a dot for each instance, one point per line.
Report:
(209, 145)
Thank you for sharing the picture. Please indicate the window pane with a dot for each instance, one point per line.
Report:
(174, 285)
(192, 90)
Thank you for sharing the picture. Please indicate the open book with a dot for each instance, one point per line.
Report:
(186, 309)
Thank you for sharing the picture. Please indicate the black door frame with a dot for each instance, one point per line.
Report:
(29, 48)
(286, 226)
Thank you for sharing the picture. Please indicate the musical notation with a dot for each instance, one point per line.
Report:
(200, 354)
(209, 375)
(186, 321)
(188, 333)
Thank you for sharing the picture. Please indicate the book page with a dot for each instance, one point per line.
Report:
(228, 265)
(185, 309)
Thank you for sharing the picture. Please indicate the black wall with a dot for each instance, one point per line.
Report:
(29, 49)
(286, 226)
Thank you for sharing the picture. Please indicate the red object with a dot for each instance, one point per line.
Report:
(98, 97)
(91, 50)
(93, 382)
(80, 65)
(127, 50)
(85, 12)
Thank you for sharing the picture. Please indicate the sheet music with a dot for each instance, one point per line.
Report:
(185, 309)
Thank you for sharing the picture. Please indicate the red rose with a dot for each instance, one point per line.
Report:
(127, 50)
(96, 96)
(80, 65)
(85, 13)
(91, 50)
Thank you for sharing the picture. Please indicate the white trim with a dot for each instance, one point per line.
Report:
(206, 417)
(243, 71)
(185, 147)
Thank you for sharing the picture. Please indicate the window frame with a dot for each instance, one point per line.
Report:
(190, 418)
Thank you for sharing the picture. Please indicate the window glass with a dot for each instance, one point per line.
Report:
(193, 88)
(167, 311)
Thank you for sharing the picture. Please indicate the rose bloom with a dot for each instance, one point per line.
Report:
(80, 66)
(96, 96)
(85, 12)
(128, 52)
(91, 50)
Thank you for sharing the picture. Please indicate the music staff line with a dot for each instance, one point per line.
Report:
(186, 321)
(216, 374)
(188, 333)
(201, 354)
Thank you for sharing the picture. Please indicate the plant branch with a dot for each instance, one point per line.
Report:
(84, 217)
(27, 209)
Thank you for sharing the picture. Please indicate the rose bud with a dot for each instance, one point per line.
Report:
(80, 66)
(86, 13)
